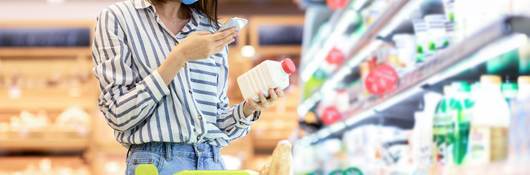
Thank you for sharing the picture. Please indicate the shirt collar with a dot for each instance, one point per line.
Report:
(141, 4)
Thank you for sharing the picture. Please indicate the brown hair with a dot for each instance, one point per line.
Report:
(206, 7)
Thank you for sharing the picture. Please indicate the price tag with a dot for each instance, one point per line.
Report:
(330, 115)
(337, 4)
(381, 80)
(335, 57)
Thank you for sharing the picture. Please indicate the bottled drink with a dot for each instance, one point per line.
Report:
(488, 138)
(519, 143)
(268, 74)
(442, 127)
(461, 105)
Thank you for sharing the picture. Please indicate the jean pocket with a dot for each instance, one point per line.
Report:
(143, 158)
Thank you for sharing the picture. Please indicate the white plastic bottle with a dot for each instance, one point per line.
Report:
(266, 75)
(489, 125)
(519, 141)
(422, 137)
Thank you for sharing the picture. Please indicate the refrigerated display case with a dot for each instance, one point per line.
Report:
(416, 84)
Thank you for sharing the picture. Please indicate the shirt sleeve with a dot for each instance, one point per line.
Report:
(125, 99)
(232, 120)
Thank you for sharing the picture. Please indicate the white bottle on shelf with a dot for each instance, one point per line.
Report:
(489, 125)
(266, 75)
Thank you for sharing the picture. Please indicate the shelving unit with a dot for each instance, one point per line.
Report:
(43, 144)
(48, 80)
(398, 131)
(57, 103)
(368, 41)
(494, 39)
(20, 163)
(44, 52)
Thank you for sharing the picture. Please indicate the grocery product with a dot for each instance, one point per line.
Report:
(519, 143)
(315, 81)
(437, 32)
(268, 74)
(74, 118)
(422, 41)
(443, 129)
(509, 91)
(461, 103)
(406, 49)
(421, 140)
(489, 125)
(281, 158)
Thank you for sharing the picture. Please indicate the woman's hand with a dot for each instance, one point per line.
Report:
(200, 45)
(250, 106)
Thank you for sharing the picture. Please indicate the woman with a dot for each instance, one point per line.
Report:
(162, 68)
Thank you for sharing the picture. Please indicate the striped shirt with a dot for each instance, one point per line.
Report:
(130, 44)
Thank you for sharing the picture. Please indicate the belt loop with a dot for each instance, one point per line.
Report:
(216, 154)
(197, 154)
(168, 151)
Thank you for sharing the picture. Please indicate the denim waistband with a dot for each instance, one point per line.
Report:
(168, 150)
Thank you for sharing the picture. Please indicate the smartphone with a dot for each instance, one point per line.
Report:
(234, 22)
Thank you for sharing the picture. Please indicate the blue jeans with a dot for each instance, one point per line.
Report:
(170, 158)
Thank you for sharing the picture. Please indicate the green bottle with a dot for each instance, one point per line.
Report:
(461, 105)
(315, 82)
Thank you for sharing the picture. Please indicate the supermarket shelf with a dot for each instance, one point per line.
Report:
(385, 21)
(43, 144)
(8, 164)
(342, 26)
(492, 40)
(44, 51)
(51, 103)
(513, 168)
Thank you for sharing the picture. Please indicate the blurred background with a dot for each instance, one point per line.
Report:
(382, 87)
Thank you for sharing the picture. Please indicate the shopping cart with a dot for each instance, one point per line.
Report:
(280, 165)
(150, 169)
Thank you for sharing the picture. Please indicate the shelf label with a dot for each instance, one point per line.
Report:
(337, 4)
(330, 115)
(335, 57)
(382, 80)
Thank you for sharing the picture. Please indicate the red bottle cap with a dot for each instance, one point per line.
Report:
(288, 66)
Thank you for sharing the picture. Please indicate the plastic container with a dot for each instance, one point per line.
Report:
(406, 49)
(443, 127)
(519, 143)
(422, 39)
(462, 104)
(489, 125)
(266, 75)
(437, 32)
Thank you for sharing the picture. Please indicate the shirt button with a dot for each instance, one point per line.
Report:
(190, 91)
(199, 117)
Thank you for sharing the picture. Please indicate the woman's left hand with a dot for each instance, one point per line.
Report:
(250, 106)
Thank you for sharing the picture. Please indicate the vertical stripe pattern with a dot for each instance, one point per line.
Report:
(130, 44)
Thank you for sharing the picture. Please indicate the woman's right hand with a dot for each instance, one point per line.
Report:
(201, 45)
